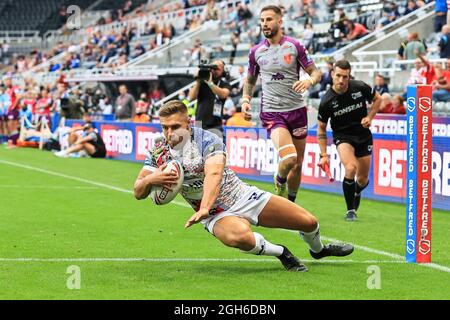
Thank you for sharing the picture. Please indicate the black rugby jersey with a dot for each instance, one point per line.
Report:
(347, 110)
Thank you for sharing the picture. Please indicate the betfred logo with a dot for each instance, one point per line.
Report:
(425, 104)
(145, 140)
(117, 141)
(411, 103)
(250, 152)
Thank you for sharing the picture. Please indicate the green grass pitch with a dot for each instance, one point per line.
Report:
(56, 213)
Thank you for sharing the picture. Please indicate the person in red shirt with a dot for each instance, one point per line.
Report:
(30, 101)
(13, 110)
(386, 105)
(441, 83)
(43, 107)
(355, 30)
(398, 105)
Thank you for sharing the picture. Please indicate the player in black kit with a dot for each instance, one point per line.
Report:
(345, 103)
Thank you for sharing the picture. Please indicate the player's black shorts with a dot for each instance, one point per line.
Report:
(99, 153)
(362, 144)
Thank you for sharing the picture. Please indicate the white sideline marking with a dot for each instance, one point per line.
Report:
(362, 248)
(13, 186)
(184, 260)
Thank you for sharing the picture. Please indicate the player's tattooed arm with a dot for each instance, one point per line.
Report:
(249, 85)
(314, 73)
(322, 136)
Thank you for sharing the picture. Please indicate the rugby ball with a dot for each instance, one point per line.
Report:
(162, 195)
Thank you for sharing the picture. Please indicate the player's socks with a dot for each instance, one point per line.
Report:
(280, 185)
(281, 180)
(348, 185)
(313, 239)
(264, 247)
(292, 195)
(358, 191)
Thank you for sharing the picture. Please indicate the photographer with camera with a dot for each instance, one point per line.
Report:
(211, 90)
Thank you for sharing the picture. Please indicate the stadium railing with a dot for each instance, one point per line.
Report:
(396, 35)
(164, 52)
(345, 52)
(176, 18)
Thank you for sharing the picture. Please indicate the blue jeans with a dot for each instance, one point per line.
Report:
(441, 95)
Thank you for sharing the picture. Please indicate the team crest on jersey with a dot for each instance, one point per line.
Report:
(287, 58)
(356, 95)
(334, 104)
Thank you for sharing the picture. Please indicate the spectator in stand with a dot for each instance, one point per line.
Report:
(355, 30)
(422, 73)
(244, 15)
(234, 42)
(386, 103)
(308, 37)
(238, 119)
(195, 54)
(393, 105)
(398, 104)
(211, 11)
(441, 85)
(410, 7)
(156, 94)
(62, 14)
(413, 46)
(444, 42)
(138, 50)
(380, 85)
(125, 105)
(311, 16)
(142, 106)
(440, 19)
(325, 82)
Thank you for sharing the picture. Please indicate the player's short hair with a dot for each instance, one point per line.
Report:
(342, 64)
(172, 107)
(274, 8)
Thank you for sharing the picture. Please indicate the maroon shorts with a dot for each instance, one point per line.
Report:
(296, 121)
(13, 115)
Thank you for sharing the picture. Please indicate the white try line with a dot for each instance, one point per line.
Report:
(190, 260)
(362, 248)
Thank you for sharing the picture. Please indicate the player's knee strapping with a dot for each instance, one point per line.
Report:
(264, 247)
(287, 151)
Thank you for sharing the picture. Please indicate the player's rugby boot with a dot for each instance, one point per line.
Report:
(351, 216)
(333, 250)
(291, 262)
(280, 189)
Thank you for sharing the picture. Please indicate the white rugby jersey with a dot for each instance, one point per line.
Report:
(202, 145)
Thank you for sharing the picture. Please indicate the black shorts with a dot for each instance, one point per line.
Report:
(363, 145)
(99, 153)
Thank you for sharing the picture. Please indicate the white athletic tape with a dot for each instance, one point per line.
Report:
(285, 147)
(290, 155)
